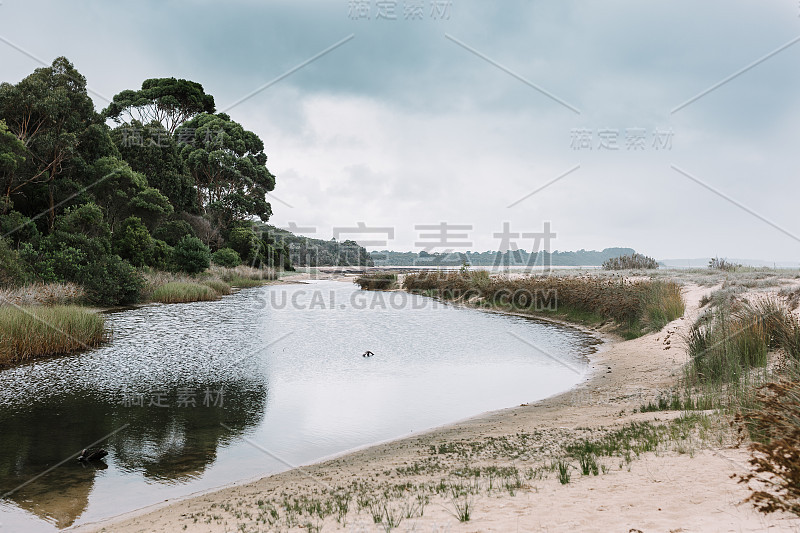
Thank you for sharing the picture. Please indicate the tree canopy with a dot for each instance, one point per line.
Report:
(168, 101)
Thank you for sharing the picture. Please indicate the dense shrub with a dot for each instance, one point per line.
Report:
(226, 257)
(246, 243)
(190, 255)
(12, 269)
(133, 242)
(723, 264)
(630, 262)
(112, 281)
(161, 255)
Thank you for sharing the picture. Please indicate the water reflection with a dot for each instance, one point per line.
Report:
(186, 382)
(171, 441)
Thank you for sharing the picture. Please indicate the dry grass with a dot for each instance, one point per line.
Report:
(635, 306)
(30, 332)
(43, 294)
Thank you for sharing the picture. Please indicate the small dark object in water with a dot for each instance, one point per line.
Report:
(93, 455)
(367, 354)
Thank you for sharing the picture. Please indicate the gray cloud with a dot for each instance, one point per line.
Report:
(401, 126)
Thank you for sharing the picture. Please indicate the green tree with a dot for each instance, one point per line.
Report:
(121, 192)
(12, 152)
(173, 231)
(47, 111)
(228, 165)
(191, 255)
(166, 100)
(153, 151)
(133, 242)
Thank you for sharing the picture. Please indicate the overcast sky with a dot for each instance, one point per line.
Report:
(458, 112)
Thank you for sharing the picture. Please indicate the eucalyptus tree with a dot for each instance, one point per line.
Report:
(228, 165)
(168, 101)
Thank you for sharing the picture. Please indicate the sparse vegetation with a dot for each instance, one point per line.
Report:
(630, 262)
(723, 264)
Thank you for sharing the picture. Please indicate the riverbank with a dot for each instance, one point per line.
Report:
(672, 479)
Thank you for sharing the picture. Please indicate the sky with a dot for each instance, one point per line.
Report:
(668, 127)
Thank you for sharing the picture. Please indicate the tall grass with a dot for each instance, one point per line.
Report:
(728, 341)
(29, 332)
(181, 292)
(43, 294)
(635, 306)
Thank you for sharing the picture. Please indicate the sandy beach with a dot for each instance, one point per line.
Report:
(684, 485)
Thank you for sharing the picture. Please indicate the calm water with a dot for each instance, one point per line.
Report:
(188, 397)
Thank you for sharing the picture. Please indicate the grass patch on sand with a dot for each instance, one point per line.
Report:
(29, 332)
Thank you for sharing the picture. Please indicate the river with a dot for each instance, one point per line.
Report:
(189, 397)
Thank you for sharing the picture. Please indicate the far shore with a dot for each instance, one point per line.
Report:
(687, 487)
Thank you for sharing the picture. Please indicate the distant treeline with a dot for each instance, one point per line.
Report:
(305, 251)
(494, 258)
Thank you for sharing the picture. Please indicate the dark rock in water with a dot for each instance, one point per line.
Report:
(91, 455)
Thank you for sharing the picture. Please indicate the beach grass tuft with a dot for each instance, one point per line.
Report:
(28, 332)
(183, 292)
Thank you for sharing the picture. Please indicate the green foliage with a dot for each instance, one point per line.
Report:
(245, 242)
(173, 231)
(191, 255)
(12, 155)
(12, 269)
(166, 100)
(121, 193)
(727, 341)
(226, 257)
(48, 111)
(228, 165)
(380, 281)
(133, 242)
(18, 228)
(112, 281)
(152, 151)
(162, 254)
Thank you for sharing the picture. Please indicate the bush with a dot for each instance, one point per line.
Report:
(377, 282)
(775, 427)
(630, 262)
(246, 243)
(190, 255)
(173, 231)
(161, 255)
(722, 264)
(112, 281)
(12, 268)
(133, 242)
(226, 257)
